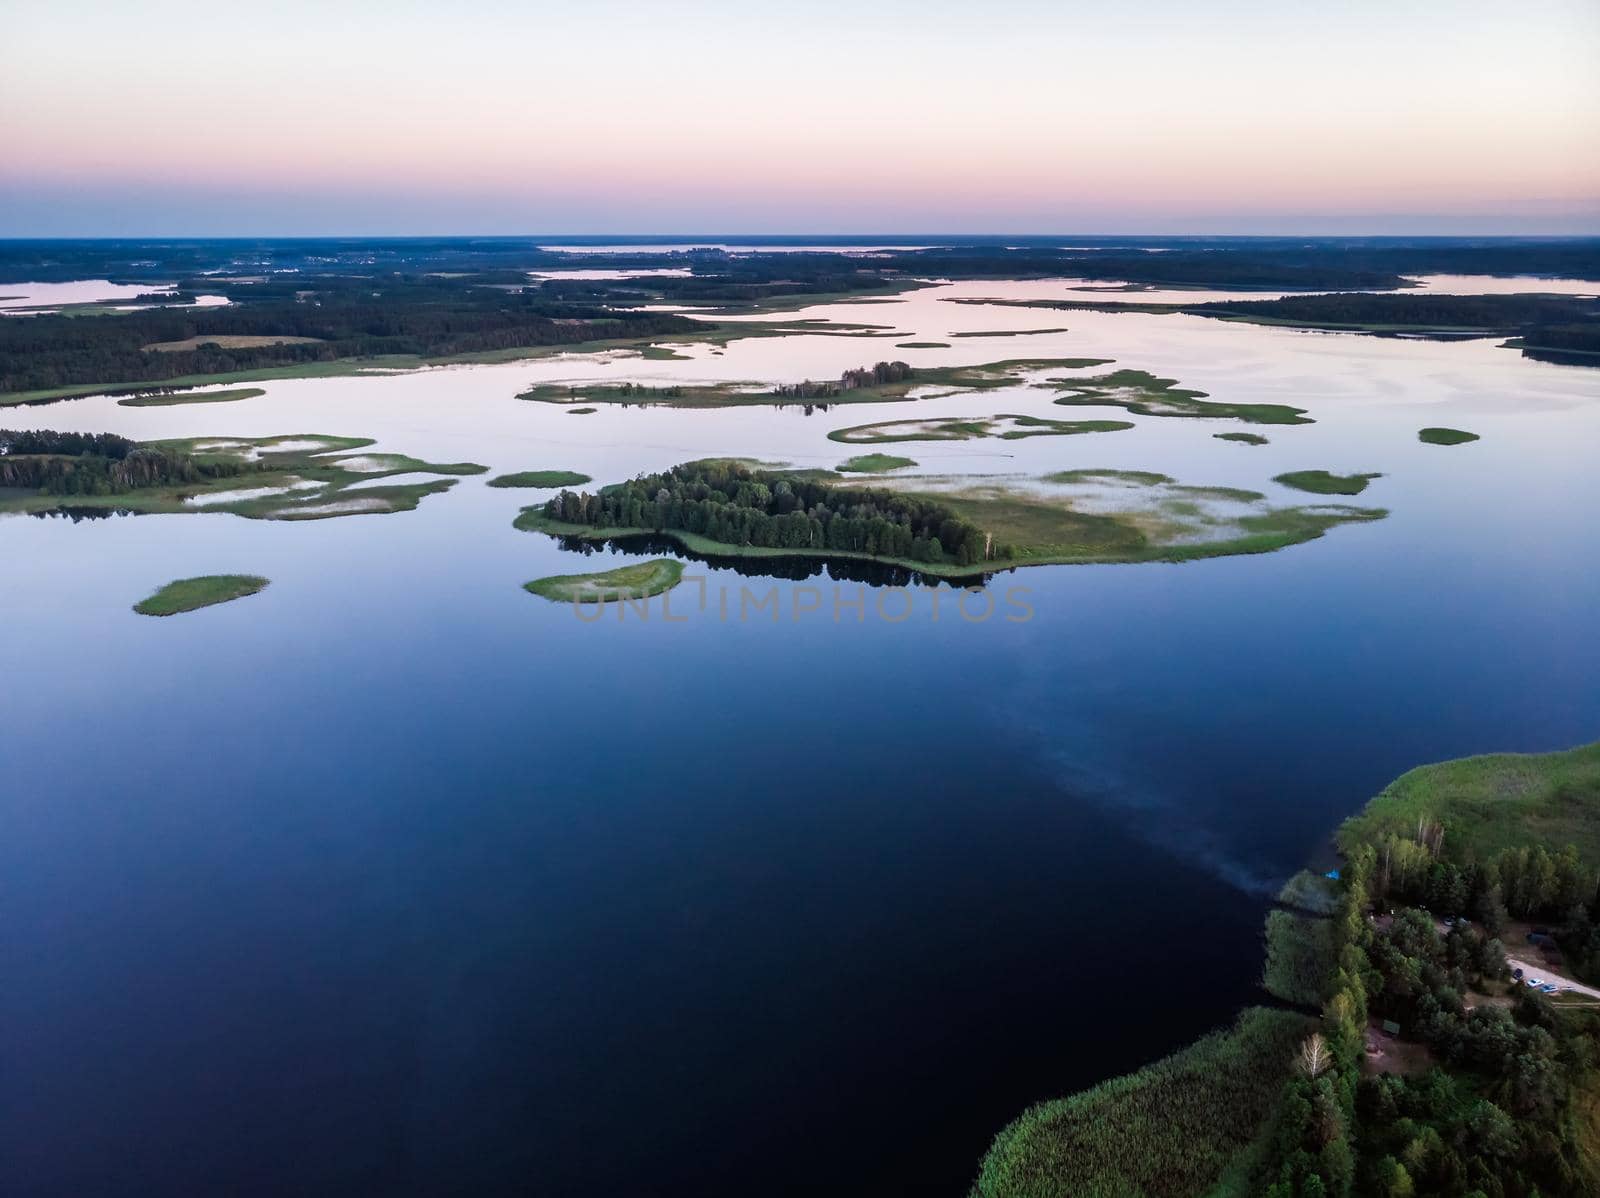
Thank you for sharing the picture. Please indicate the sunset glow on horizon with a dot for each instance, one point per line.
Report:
(1243, 117)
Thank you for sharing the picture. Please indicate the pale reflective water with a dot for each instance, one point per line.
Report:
(395, 878)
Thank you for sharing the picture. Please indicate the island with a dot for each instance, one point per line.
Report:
(295, 477)
(540, 478)
(641, 580)
(882, 382)
(1320, 482)
(873, 463)
(191, 594)
(933, 526)
(1445, 436)
(1454, 957)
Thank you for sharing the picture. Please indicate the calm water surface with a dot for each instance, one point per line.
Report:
(396, 879)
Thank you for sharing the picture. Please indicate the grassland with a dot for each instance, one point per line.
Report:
(541, 478)
(232, 395)
(1170, 1130)
(1241, 438)
(873, 463)
(638, 581)
(1320, 482)
(1145, 394)
(1445, 436)
(227, 341)
(191, 594)
(1005, 426)
(1493, 802)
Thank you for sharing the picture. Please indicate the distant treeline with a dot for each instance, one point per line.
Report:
(349, 318)
(1499, 312)
(850, 380)
(97, 464)
(735, 505)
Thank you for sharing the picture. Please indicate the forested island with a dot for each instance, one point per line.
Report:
(1438, 1065)
(296, 477)
(732, 509)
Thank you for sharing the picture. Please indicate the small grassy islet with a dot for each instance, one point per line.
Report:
(1445, 436)
(191, 594)
(541, 478)
(1320, 482)
(638, 581)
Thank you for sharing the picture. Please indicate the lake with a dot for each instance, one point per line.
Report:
(395, 878)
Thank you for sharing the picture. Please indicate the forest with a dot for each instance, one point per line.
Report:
(98, 464)
(347, 318)
(735, 505)
(850, 380)
(1474, 311)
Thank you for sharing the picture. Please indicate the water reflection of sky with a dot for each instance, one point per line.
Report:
(444, 881)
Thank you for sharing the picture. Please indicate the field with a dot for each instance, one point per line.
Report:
(1489, 803)
(1168, 1131)
(191, 594)
(227, 341)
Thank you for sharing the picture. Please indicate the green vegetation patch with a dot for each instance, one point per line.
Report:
(1300, 957)
(305, 476)
(884, 382)
(541, 478)
(1006, 427)
(1320, 482)
(1145, 394)
(1312, 892)
(1445, 436)
(1168, 1131)
(873, 463)
(922, 345)
(1017, 333)
(638, 581)
(1491, 803)
(160, 400)
(582, 411)
(1241, 438)
(191, 594)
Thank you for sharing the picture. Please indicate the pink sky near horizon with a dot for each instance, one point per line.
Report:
(486, 117)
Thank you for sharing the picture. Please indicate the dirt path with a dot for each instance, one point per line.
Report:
(1530, 970)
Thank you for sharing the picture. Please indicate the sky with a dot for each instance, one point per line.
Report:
(171, 118)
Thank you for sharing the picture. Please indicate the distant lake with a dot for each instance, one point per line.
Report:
(396, 879)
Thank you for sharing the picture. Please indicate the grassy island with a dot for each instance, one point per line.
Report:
(1006, 427)
(169, 399)
(638, 581)
(297, 477)
(1144, 394)
(541, 478)
(873, 463)
(940, 527)
(884, 382)
(1320, 482)
(191, 594)
(1241, 438)
(1445, 436)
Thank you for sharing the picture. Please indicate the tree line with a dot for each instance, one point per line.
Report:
(58, 463)
(850, 380)
(735, 505)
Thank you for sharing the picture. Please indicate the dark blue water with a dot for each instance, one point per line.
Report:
(396, 879)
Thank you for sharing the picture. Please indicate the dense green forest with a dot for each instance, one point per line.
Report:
(736, 505)
(1432, 1069)
(1505, 313)
(98, 464)
(344, 318)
